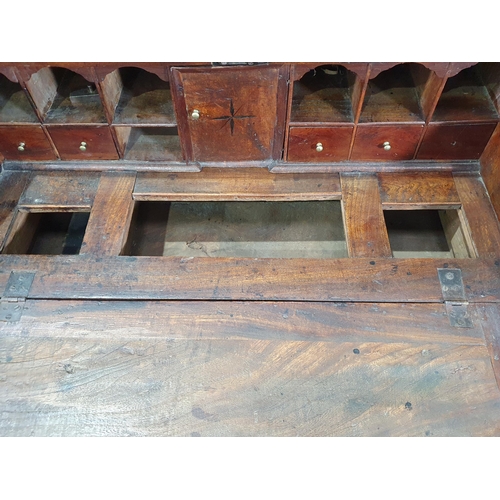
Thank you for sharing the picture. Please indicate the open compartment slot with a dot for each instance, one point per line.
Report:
(470, 95)
(149, 143)
(428, 234)
(260, 229)
(136, 97)
(15, 106)
(47, 233)
(63, 96)
(394, 95)
(324, 94)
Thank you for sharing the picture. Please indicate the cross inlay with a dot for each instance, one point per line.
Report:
(232, 116)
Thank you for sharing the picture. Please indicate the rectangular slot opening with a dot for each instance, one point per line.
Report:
(15, 106)
(260, 229)
(428, 234)
(47, 233)
(149, 143)
(324, 95)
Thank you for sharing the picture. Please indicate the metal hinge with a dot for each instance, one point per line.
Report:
(452, 288)
(14, 297)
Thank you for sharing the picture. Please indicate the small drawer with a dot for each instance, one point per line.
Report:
(386, 143)
(25, 142)
(83, 143)
(455, 141)
(319, 144)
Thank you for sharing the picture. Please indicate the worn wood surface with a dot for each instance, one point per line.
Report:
(479, 214)
(37, 146)
(60, 191)
(240, 184)
(408, 191)
(489, 316)
(365, 228)
(490, 169)
(110, 215)
(269, 370)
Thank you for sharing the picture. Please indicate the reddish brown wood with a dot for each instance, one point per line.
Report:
(369, 142)
(365, 228)
(36, 145)
(110, 215)
(335, 142)
(98, 140)
(490, 169)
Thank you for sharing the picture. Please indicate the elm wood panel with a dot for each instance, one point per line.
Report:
(204, 278)
(110, 216)
(490, 169)
(454, 141)
(36, 145)
(408, 190)
(67, 191)
(366, 233)
(92, 387)
(480, 217)
(12, 185)
(335, 141)
(98, 140)
(489, 315)
(218, 320)
(246, 184)
(238, 111)
(369, 142)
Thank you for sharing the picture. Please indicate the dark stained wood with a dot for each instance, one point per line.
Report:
(203, 278)
(334, 140)
(489, 314)
(298, 70)
(454, 141)
(241, 184)
(238, 111)
(22, 233)
(36, 145)
(430, 91)
(12, 185)
(60, 191)
(490, 169)
(369, 142)
(98, 140)
(366, 233)
(479, 214)
(110, 216)
(408, 191)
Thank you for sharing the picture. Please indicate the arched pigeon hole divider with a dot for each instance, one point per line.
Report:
(15, 106)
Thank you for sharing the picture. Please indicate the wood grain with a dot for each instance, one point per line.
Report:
(490, 169)
(364, 223)
(479, 214)
(489, 315)
(408, 191)
(60, 191)
(37, 146)
(239, 184)
(110, 215)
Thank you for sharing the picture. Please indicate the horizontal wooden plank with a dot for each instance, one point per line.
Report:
(245, 184)
(407, 191)
(205, 278)
(60, 191)
(218, 320)
(111, 387)
(489, 316)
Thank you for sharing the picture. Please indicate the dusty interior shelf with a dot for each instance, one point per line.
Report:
(392, 96)
(47, 233)
(15, 106)
(324, 95)
(310, 229)
(466, 97)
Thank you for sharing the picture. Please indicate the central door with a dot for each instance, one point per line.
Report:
(231, 113)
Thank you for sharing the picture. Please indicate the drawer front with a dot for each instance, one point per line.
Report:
(83, 143)
(455, 142)
(25, 143)
(319, 144)
(386, 143)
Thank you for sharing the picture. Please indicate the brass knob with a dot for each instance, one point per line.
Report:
(387, 146)
(195, 115)
(83, 146)
(319, 147)
(21, 146)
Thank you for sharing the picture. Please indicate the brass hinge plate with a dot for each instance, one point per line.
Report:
(14, 297)
(452, 288)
